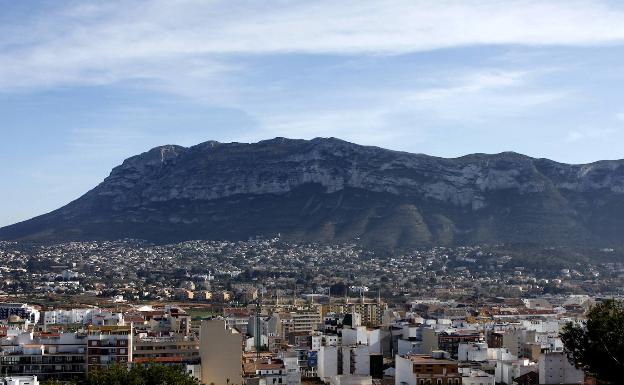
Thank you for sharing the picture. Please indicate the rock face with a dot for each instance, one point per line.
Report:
(329, 190)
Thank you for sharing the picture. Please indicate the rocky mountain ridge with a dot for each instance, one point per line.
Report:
(330, 190)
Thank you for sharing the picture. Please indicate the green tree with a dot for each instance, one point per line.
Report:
(597, 345)
(152, 374)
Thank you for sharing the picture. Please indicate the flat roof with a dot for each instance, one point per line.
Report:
(427, 359)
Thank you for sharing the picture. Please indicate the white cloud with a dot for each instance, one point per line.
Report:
(472, 83)
(164, 40)
(203, 50)
(482, 95)
(589, 134)
(575, 136)
(401, 118)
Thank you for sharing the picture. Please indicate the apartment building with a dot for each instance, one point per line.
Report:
(371, 312)
(305, 320)
(554, 368)
(22, 310)
(220, 349)
(477, 377)
(65, 317)
(46, 355)
(338, 360)
(108, 345)
(180, 347)
(19, 380)
(450, 341)
(434, 369)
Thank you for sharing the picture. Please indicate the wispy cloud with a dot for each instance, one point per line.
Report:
(397, 117)
(103, 43)
(445, 77)
(590, 134)
(484, 94)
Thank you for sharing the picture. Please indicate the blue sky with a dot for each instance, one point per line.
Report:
(84, 85)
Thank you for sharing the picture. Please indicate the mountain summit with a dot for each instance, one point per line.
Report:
(330, 190)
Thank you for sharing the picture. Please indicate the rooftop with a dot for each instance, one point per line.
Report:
(426, 359)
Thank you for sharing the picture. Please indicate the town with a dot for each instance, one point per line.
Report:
(229, 272)
(395, 192)
(266, 311)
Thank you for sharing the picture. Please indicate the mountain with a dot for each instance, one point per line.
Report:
(330, 190)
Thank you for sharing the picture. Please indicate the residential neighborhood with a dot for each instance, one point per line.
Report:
(269, 311)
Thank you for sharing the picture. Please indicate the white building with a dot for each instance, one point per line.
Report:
(327, 362)
(355, 360)
(331, 340)
(66, 317)
(291, 365)
(101, 317)
(350, 379)
(506, 371)
(477, 377)
(362, 336)
(500, 354)
(554, 368)
(408, 347)
(474, 352)
(88, 316)
(412, 332)
(27, 354)
(108, 345)
(334, 360)
(19, 380)
(316, 342)
(354, 336)
(22, 310)
(541, 326)
(271, 371)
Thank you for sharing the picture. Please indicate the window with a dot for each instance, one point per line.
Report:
(439, 381)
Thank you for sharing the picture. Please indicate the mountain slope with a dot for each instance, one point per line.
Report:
(332, 191)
